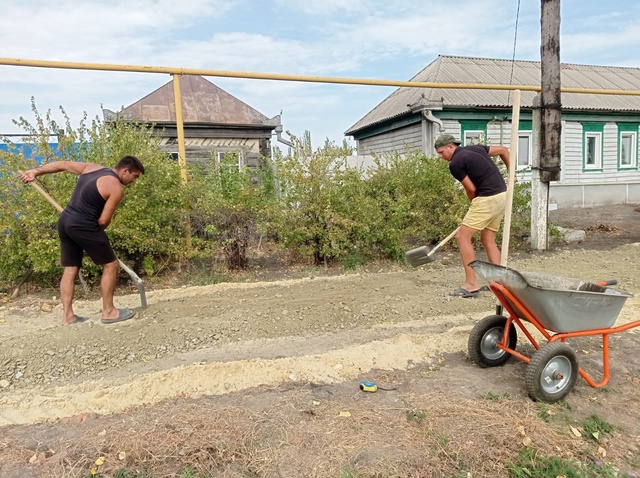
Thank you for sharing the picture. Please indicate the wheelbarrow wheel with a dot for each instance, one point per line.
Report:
(551, 372)
(484, 339)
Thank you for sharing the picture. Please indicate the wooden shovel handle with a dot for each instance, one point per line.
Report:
(444, 241)
(46, 195)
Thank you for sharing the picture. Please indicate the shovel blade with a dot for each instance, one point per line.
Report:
(418, 256)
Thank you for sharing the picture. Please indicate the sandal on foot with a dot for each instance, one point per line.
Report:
(464, 293)
(123, 314)
(78, 320)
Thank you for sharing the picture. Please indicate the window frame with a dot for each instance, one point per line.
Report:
(595, 131)
(529, 136)
(479, 127)
(623, 130)
(221, 154)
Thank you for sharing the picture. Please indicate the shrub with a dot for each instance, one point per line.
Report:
(146, 226)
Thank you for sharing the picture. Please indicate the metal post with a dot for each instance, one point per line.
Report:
(182, 155)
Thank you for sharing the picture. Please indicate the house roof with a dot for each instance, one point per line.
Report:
(457, 69)
(202, 102)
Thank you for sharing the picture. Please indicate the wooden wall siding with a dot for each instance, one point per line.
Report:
(393, 141)
(204, 149)
(451, 127)
(572, 160)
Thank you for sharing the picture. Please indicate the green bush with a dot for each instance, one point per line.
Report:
(230, 206)
(312, 203)
(331, 211)
(146, 226)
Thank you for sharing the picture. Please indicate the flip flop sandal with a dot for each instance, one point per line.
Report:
(464, 293)
(123, 314)
(78, 320)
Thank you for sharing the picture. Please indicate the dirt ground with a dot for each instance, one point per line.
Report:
(261, 378)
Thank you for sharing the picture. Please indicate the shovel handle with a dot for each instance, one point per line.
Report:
(444, 241)
(46, 195)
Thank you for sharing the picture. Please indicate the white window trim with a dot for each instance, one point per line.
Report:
(598, 150)
(529, 136)
(634, 150)
(474, 133)
(220, 157)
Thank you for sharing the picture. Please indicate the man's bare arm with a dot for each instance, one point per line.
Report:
(111, 190)
(469, 188)
(502, 152)
(56, 167)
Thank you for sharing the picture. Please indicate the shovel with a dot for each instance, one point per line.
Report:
(422, 255)
(134, 277)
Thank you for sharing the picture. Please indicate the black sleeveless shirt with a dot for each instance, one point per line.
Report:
(86, 203)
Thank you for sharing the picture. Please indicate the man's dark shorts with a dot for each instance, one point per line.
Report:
(76, 237)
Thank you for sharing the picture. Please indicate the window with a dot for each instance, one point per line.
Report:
(473, 137)
(592, 134)
(229, 158)
(524, 151)
(592, 151)
(473, 132)
(627, 146)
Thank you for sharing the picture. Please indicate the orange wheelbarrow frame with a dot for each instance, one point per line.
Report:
(506, 298)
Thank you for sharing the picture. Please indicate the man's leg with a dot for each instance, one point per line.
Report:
(67, 285)
(108, 286)
(467, 255)
(488, 238)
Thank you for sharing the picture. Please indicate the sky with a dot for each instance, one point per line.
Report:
(367, 39)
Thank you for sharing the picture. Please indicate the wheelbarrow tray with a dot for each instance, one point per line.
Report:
(559, 304)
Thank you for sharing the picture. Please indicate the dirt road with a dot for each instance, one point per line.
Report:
(312, 338)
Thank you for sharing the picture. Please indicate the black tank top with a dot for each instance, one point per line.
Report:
(86, 203)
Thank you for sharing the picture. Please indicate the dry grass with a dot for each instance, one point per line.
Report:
(299, 432)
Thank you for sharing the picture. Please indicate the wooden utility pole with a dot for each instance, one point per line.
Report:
(550, 83)
(547, 167)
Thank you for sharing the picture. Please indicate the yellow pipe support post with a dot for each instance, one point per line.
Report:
(182, 154)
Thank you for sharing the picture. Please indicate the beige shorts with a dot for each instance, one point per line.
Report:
(486, 212)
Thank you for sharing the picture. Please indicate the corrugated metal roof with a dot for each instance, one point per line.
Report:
(202, 102)
(456, 69)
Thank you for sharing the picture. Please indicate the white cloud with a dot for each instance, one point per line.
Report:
(356, 39)
(325, 7)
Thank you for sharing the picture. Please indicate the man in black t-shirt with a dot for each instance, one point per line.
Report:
(486, 189)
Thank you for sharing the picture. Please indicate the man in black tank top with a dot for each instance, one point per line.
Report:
(485, 187)
(81, 228)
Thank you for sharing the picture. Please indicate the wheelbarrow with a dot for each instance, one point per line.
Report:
(559, 308)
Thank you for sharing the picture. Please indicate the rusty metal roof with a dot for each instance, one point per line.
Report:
(202, 102)
(456, 69)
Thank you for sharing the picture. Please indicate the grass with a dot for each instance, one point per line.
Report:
(595, 426)
(270, 432)
(416, 416)
(530, 464)
(544, 411)
(496, 397)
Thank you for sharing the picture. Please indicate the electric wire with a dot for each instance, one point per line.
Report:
(513, 57)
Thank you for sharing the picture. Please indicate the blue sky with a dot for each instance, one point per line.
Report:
(373, 39)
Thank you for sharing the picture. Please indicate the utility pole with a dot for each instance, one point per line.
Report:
(546, 167)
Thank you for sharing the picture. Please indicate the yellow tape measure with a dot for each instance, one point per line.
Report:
(368, 387)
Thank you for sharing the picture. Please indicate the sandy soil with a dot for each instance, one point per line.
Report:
(225, 339)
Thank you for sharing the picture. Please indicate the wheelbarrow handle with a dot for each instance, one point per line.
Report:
(605, 283)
